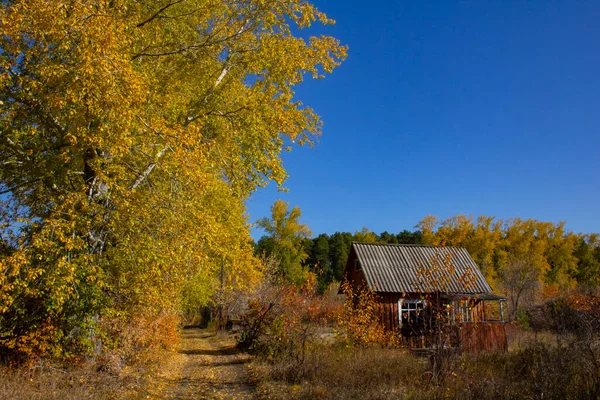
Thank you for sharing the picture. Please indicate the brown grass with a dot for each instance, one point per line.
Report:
(84, 381)
(538, 365)
(123, 372)
(338, 372)
(55, 383)
(519, 339)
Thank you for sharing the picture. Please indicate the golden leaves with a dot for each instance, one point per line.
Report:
(498, 245)
(134, 133)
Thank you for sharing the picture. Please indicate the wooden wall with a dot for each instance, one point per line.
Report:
(355, 277)
(482, 336)
(476, 336)
(389, 310)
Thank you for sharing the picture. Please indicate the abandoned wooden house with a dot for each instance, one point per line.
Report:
(428, 292)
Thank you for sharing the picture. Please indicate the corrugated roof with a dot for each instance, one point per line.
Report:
(394, 268)
(476, 296)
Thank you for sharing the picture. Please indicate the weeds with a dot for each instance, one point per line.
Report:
(561, 363)
(334, 371)
(45, 382)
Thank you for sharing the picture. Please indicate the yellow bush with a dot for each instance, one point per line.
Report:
(359, 320)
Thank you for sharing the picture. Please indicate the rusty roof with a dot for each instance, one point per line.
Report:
(402, 268)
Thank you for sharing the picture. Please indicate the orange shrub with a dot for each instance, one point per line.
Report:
(34, 345)
(550, 291)
(283, 319)
(141, 338)
(359, 320)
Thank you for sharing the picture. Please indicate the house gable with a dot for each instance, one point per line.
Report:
(356, 277)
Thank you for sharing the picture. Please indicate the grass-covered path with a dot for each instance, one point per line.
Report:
(207, 366)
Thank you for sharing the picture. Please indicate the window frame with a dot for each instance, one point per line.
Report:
(415, 303)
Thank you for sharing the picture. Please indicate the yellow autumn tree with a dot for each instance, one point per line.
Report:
(523, 258)
(285, 242)
(131, 134)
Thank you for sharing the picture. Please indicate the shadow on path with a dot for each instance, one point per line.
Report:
(190, 335)
(225, 351)
(207, 366)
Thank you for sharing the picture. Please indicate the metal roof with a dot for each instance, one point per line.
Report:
(397, 268)
(476, 296)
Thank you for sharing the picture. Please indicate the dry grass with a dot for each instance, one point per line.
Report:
(84, 381)
(54, 383)
(106, 378)
(338, 372)
(519, 339)
(540, 365)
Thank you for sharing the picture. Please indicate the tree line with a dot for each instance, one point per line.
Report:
(288, 241)
(326, 255)
(525, 259)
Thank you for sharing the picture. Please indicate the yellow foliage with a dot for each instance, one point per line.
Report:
(494, 244)
(360, 320)
(132, 134)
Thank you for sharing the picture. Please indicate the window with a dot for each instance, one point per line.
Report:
(411, 311)
(357, 266)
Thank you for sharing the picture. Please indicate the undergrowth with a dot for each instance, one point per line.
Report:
(332, 371)
(560, 362)
(44, 382)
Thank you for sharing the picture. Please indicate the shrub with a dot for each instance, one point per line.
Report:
(359, 322)
(282, 319)
(560, 365)
(139, 338)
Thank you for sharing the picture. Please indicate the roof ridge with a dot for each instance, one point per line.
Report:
(407, 245)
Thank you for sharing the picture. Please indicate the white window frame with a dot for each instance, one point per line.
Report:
(401, 308)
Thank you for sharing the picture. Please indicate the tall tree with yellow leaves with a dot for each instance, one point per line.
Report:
(285, 242)
(518, 257)
(131, 133)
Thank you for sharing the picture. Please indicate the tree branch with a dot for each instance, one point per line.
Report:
(149, 168)
(156, 14)
(222, 75)
(19, 185)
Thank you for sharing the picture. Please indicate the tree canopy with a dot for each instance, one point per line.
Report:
(534, 258)
(285, 240)
(526, 259)
(131, 133)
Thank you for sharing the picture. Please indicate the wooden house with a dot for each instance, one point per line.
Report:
(428, 292)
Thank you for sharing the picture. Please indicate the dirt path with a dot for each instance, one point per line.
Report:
(207, 366)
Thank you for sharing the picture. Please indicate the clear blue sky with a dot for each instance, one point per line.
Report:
(450, 107)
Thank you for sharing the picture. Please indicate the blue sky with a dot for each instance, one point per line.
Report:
(446, 108)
